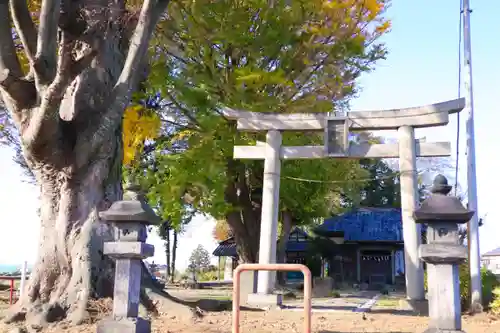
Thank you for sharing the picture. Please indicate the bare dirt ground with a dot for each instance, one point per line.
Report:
(384, 317)
(287, 321)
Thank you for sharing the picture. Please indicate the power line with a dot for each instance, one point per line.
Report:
(357, 180)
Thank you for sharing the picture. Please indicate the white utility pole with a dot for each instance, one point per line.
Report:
(474, 254)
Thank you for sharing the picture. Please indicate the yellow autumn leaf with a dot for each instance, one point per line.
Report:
(139, 125)
(384, 27)
(250, 77)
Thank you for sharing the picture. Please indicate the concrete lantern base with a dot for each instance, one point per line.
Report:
(124, 325)
(264, 300)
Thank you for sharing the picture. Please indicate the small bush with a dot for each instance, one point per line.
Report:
(490, 283)
(334, 294)
(207, 276)
(495, 305)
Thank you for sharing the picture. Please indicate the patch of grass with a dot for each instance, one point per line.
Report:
(334, 294)
(387, 302)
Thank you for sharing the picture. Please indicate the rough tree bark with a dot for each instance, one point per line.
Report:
(244, 219)
(167, 254)
(174, 257)
(84, 61)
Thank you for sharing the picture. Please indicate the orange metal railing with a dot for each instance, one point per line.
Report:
(272, 267)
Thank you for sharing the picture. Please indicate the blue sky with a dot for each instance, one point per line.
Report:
(422, 68)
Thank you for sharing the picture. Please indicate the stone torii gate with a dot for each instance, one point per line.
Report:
(336, 145)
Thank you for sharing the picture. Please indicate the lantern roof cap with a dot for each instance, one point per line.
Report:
(441, 207)
(133, 208)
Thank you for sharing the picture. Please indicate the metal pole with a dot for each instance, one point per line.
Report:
(273, 267)
(474, 254)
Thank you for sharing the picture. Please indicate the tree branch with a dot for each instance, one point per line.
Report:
(148, 18)
(8, 56)
(183, 110)
(120, 96)
(46, 57)
(25, 27)
(45, 121)
(22, 92)
(67, 67)
(82, 63)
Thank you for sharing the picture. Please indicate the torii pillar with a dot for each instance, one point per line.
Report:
(337, 146)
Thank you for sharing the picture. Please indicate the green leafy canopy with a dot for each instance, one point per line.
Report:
(291, 56)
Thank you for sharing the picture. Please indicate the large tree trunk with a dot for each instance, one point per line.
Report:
(174, 257)
(285, 234)
(84, 65)
(247, 235)
(71, 267)
(244, 219)
(167, 254)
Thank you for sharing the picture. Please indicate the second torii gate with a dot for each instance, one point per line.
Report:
(336, 145)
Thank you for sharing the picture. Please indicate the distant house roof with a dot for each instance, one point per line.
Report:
(492, 253)
(297, 242)
(366, 224)
(226, 248)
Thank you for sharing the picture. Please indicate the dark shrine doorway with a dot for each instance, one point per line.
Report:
(376, 267)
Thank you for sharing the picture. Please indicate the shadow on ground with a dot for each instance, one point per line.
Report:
(213, 305)
(398, 312)
(321, 307)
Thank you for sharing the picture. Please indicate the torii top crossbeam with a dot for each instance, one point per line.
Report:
(423, 116)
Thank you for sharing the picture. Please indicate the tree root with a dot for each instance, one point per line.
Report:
(156, 300)
(45, 304)
(70, 309)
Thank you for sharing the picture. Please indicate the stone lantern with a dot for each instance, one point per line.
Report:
(129, 218)
(443, 254)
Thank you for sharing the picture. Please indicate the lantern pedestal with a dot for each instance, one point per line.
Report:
(129, 219)
(444, 297)
(443, 255)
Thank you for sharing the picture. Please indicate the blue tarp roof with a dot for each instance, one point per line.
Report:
(367, 224)
(227, 248)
